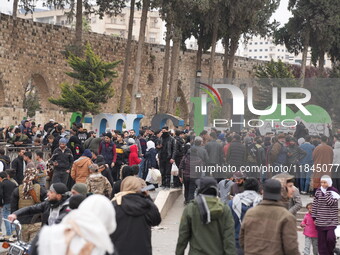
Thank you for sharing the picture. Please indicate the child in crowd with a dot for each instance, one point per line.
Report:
(325, 212)
(310, 232)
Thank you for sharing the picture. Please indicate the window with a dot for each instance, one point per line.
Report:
(261, 43)
(152, 37)
(278, 49)
(250, 50)
(265, 56)
(260, 56)
(153, 23)
(261, 50)
(266, 50)
(255, 43)
(266, 42)
(255, 50)
(255, 57)
(250, 43)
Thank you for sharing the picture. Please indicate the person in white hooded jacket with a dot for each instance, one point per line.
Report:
(84, 231)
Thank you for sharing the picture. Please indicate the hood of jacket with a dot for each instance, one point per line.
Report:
(82, 161)
(215, 206)
(136, 204)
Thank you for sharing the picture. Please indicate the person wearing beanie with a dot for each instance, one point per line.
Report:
(325, 214)
(56, 204)
(79, 188)
(269, 228)
(206, 223)
(97, 183)
(62, 160)
(80, 168)
(75, 201)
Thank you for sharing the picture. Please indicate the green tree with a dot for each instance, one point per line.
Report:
(113, 7)
(272, 74)
(245, 17)
(94, 87)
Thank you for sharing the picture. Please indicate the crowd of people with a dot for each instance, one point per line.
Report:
(66, 187)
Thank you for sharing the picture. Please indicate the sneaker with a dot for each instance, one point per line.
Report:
(303, 192)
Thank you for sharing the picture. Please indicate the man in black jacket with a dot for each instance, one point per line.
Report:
(62, 160)
(236, 155)
(55, 205)
(214, 150)
(6, 190)
(167, 155)
(179, 135)
(18, 165)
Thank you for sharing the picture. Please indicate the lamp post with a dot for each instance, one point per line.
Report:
(198, 79)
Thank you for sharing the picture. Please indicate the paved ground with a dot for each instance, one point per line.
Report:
(164, 237)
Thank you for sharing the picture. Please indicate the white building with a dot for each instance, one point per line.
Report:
(115, 25)
(264, 49)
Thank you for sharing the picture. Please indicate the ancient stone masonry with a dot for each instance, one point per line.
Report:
(32, 52)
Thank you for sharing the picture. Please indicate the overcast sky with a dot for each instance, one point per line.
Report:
(281, 15)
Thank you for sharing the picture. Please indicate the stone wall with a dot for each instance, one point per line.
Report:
(30, 50)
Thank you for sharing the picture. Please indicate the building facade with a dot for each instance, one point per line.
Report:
(116, 25)
(265, 49)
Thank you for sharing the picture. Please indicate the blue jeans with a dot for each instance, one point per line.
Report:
(6, 210)
(305, 175)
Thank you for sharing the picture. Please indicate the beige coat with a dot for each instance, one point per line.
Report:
(269, 229)
(80, 169)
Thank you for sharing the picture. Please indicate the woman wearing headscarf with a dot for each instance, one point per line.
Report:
(85, 231)
(325, 215)
(150, 158)
(135, 215)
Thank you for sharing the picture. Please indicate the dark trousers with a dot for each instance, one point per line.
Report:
(60, 176)
(189, 188)
(326, 240)
(165, 168)
(115, 171)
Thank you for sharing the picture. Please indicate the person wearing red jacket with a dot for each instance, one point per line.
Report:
(133, 156)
